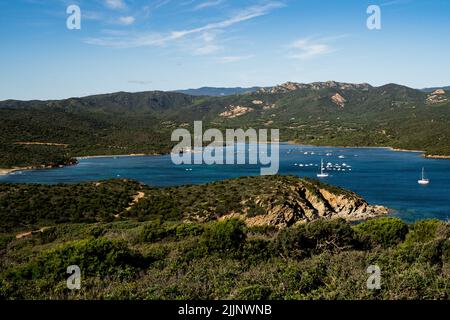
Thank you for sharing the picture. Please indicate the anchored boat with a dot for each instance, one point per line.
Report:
(423, 180)
(322, 173)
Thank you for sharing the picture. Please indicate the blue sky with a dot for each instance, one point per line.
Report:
(139, 45)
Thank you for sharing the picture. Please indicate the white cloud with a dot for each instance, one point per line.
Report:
(306, 48)
(395, 2)
(115, 4)
(127, 20)
(247, 14)
(230, 59)
(206, 49)
(152, 39)
(92, 15)
(208, 4)
(205, 44)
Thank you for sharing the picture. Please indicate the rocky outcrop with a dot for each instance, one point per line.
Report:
(338, 100)
(235, 111)
(293, 86)
(306, 201)
(257, 102)
(437, 97)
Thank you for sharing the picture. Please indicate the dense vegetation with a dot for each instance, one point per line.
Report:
(226, 259)
(125, 123)
(28, 206)
(149, 248)
(25, 207)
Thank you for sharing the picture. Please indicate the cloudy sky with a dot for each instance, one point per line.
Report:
(138, 45)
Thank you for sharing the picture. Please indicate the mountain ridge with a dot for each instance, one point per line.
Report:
(319, 113)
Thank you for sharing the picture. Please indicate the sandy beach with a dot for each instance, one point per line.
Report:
(114, 156)
(4, 172)
(431, 156)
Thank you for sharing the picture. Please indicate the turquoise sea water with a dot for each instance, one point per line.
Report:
(381, 176)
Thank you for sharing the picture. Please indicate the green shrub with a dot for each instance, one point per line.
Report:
(254, 293)
(155, 231)
(423, 231)
(426, 242)
(47, 235)
(315, 237)
(96, 257)
(186, 230)
(256, 250)
(4, 241)
(255, 210)
(446, 251)
(385, 232)
(224, 237)
(266, 230)
(97, 231)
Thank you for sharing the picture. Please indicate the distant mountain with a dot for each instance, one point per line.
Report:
(320, 113)
(294, 86)
(218, 92)
(435, 88)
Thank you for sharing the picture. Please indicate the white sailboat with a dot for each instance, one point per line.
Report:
(423, 180)
(322, 173)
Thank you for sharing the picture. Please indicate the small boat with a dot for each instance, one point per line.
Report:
(341, 157)
(423, 180)
(322, 173)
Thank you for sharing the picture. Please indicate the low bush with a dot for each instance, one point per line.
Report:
(315, 237)
(384, 232)
(224, 237)
(254, 293)
(427, 241)
(186, 230)
(4, 241)
(423, 231)
(95, 257)
(256, 250)
(155, 231)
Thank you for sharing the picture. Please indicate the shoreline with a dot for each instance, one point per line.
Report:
(432, 156)
(423, 152)
(116, 156)
(5, 172)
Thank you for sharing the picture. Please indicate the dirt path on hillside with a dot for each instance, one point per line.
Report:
(136, 199)
(30, 233)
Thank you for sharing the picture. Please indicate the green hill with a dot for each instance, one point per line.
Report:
(326, 113)
(277, 201)
(134, 242)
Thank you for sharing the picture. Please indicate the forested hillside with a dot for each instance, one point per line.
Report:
(327, 113)
(135, 242)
